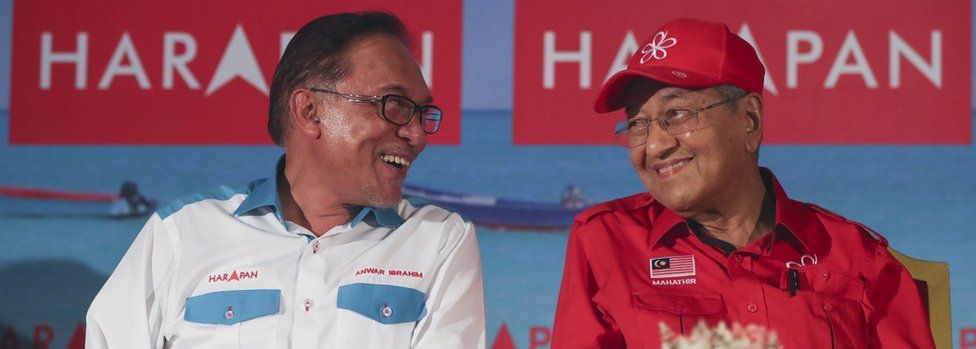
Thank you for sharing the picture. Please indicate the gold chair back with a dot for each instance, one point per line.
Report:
(932, 279)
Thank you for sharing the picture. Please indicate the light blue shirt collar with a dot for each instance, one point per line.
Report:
(386, 216)
(264, 195)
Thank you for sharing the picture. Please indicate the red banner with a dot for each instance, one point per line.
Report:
(186, 72)
(838, 72)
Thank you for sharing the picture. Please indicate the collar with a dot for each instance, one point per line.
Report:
(796, 219)
(384, 216)
(264, 196)
(791, 217)
(664, 221)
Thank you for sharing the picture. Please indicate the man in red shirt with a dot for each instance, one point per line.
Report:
(716, 239)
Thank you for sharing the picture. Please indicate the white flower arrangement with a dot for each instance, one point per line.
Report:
(720, 337)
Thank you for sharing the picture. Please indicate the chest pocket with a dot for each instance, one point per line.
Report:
(679, 312)
(378, 315)
(822, 280)
(231, 319)
(386, 304)
(837, 297)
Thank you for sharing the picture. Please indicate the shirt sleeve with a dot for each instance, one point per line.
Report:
(128, 312)
(456, 303)
(579, 322)
(897, 315)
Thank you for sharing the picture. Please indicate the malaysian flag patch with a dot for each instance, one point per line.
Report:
(674, 266)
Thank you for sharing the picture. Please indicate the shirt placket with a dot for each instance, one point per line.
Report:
(745, 298)
(747, 303)
(314, 290)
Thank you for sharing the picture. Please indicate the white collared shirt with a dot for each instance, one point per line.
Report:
(223, 270)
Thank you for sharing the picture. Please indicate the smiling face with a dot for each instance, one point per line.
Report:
(364, 159)
(695, 171)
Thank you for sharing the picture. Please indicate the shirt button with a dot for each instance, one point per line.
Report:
(309, 304)
(826, 275)
(229, 314)
(752, 308)
(737, 258)
(315, 247)
(827, 307)
(387, 311)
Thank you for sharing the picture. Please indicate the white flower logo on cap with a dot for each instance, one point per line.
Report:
(656, 48)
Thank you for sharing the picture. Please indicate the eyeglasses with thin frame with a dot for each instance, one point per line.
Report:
(397, 109)
(674, 121)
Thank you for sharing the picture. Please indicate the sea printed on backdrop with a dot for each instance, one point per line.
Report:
(54, 255)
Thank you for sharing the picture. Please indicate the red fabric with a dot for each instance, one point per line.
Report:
(56, 195)
(855, 296)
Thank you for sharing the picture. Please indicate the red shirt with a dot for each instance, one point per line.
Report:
(852, 293)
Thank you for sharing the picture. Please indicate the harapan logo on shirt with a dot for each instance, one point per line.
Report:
(673, 266)
(233, 276)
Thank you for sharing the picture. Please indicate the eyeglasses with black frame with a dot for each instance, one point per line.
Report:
(674, 121)
(398, 110)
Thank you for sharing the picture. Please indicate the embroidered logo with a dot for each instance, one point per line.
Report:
(674, 266)
(233, 276)
(805, 260)
(657, 47)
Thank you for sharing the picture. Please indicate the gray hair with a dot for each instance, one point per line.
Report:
(731, 92)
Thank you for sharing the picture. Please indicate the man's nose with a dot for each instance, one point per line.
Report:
(413, 132)
(659, 142)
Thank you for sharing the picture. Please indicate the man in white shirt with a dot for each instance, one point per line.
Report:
(324, 253)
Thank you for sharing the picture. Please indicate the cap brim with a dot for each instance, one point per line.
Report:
(612, 96)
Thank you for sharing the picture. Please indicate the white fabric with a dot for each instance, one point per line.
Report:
(142, 303)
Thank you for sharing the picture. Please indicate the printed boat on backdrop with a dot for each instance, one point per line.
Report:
(35, 202)
(486, 211)
(504, 214)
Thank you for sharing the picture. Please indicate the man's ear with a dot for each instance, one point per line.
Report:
(753, 122)
(302, 113)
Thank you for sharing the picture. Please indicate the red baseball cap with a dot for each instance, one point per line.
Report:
(687, 53)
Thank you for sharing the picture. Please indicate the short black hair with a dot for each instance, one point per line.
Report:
(316, 54)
